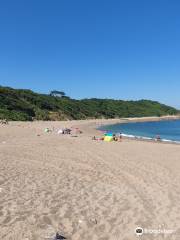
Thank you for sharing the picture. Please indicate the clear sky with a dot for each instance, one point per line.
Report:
(123, 49)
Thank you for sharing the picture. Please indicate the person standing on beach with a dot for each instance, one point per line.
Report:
(158, 138)
(119, 136)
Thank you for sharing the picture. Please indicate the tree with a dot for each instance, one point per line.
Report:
(56, 93)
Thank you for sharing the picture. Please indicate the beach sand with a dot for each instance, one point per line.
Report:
(84, 189)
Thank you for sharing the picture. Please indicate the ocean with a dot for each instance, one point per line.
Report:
(167, 130)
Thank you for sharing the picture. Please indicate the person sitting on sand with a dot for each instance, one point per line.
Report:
(47, 130)
(158, 138)
(115, 138)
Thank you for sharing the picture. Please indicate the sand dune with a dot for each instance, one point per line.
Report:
(84, 189)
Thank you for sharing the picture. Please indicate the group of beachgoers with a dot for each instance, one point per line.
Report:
(63, 131)
(109, 137)
(4, 121)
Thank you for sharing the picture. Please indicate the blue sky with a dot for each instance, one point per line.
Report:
(92, 48)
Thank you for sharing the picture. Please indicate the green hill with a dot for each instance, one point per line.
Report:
(22, 105)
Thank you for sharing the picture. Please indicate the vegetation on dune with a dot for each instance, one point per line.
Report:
(23, 105)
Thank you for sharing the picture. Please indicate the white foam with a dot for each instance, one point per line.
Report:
(129, 136)
(170, 141)
(148, 138)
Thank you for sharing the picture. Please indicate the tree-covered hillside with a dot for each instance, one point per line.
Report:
(25, 105)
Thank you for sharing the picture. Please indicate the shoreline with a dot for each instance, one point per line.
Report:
(106, 122)
(103, 122)
(90, 126)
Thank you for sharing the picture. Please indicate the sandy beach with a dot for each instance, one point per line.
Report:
(84, 189)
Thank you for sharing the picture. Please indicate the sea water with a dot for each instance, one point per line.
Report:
(167, 130)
